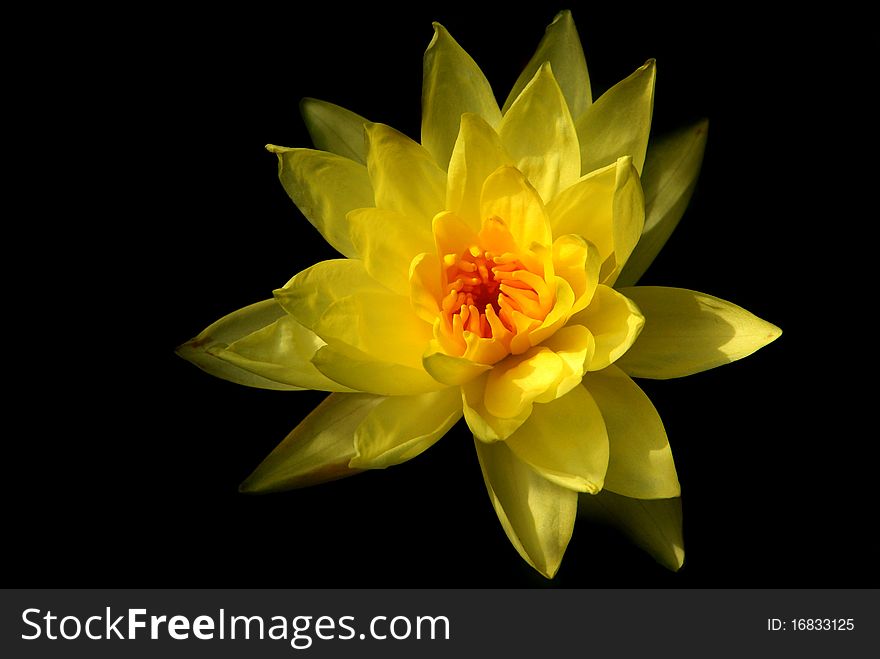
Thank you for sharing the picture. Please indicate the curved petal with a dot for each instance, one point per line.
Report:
(425, 286)
(537, 515)
(641, 464)
(401, 427)
(338, 301)
(452, 84)
(619, 122)
(359, 371)
(507, 195)
(565, 441)
(452, 370)
(540, 375)
(309, 293)
(335, 129)
(478, 152)
(614, 321)
(387, 242)
(404, 176)
(577, 262)
(687, 332)
(217, 337)
(281, 352)
(539, 133)
(653, 525)
(325, 187)
(606, 207)
(561, 47)
(487, 427)
(669, 179)
(514, 384)
(318, 449)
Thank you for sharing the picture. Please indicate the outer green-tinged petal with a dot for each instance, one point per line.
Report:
(561, 47)
(325, 187)
(619, 122)
(452, 370)
(539, 133)
(478, 152)
(565, 441)
(401, 427)
(318, 449)
(641, 463)
(654, 525)
(281, 352)
(669, 179)
(614, 321)
(452, 84)
(387, 242)
(508, 195)
(607, 208)
(404, 176)
(217, 336)
(335, 129)
(687, 332)
(537, 515)
(362, 372)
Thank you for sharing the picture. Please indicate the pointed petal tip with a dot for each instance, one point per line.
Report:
(564, 15)
(273, 148)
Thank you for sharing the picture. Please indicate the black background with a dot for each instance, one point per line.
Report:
(126, 470)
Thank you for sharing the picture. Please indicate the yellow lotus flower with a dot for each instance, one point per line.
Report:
(479, 281)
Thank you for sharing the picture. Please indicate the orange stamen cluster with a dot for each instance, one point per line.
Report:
(486, 293)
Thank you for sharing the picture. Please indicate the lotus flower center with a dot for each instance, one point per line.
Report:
(491, 295)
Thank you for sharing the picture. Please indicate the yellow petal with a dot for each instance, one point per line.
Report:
(338, 300)
(575, 346)
(217, 337)
(537, 515)
(508, 196)
(487, 427)
(565, 441)
(452, 370)
(641, 463)
(577, 261)
(387, 243)
(311, 292)
(653, 525)
(478, 152)
(401, 427)
(325, 187)
(687, 332)
(318, 449)
(281, 352)
(335, 129)
(560, 46)
(452, 84)
(539, 134)
(615, 322)
(516, 382)
(669, 179)
(425, 286)
(556, 318)
(606, 207)
(619, 122)
(362, 372)
(404, 176)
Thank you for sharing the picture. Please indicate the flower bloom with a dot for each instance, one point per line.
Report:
(484, 278)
